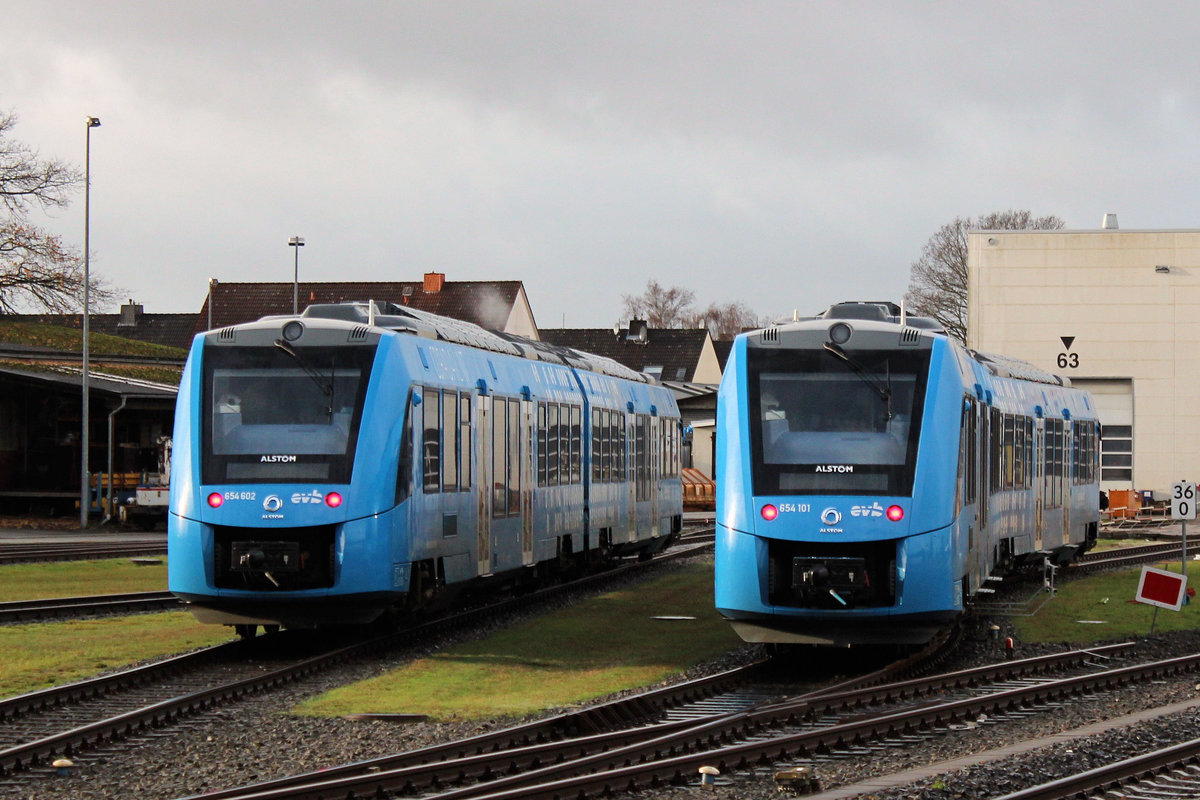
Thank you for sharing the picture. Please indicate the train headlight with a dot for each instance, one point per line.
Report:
(840, 332)
(769, 512)
(216, 499)
(333, 499)
(895, 513)
(293, 330)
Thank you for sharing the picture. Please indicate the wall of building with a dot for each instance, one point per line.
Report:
(1117, 311)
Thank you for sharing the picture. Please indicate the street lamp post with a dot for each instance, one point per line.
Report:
(297, 243)
(85, 489)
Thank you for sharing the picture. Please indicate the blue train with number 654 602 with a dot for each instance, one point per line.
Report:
(873, 476)
(361, 459)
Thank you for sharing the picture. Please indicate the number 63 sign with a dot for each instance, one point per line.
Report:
(1183, 500)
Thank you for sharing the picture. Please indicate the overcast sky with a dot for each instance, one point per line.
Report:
(784, 155)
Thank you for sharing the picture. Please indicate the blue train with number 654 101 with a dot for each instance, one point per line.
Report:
(361, 459)
(873, 476)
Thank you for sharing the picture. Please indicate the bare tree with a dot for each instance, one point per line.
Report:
(724, 322)
(661, 308)
(36, 270)
(937, 285)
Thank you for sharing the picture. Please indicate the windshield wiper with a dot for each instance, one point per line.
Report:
(325, 386)
(884, 390)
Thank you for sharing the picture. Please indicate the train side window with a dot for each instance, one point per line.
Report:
(622, 448)
(967, 452)
(597, 468)
(450, 453)
(576, 444)
(541, 444)
(405, 467)
(1015, 430)
(431, 441)
(995, 431)
(499, 457)
(611, 460)
(1029, 441)
(606, 458)
(552, 444)
(464, 441)
(514, 458)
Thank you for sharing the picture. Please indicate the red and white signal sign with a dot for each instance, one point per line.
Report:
(1158, 587)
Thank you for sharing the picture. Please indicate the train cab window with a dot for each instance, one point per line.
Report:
(278, 416)
(822, 425)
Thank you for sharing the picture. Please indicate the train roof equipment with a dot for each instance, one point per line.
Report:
(389, 316)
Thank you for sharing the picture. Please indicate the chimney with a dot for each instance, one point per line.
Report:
(434, 281)
(637, 331)
(131, 314)
(1109, 223)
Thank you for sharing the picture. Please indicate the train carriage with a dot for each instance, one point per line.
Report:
(360, 459)
(873, 475)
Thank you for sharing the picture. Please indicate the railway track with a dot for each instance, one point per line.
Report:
(526, 761)
(1170, 772)
(58, 608)
(75, 719)
(26, 552)
(1129, 556)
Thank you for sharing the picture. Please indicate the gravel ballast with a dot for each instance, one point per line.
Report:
(256, 740)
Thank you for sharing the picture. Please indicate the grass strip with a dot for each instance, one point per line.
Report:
(1102, 607)
(596, 647)
(38, 656)
(80, 578)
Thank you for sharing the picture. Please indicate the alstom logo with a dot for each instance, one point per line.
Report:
(834, 468)
(277, 459)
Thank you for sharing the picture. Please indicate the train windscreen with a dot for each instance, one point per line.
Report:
(282, 415)
(832, 422)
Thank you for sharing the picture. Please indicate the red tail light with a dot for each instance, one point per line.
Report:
(769, 512)
(895, 513)
(333, 499)
(216, 499)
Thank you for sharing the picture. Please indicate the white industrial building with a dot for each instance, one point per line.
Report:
(1117, 312)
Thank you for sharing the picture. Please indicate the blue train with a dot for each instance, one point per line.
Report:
(873, 475)
(364, 458)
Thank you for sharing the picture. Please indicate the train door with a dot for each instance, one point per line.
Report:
(1039, 468)
(527, 482)
(483, 484)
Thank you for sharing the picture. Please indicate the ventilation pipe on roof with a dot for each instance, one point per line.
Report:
(1109, 223)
